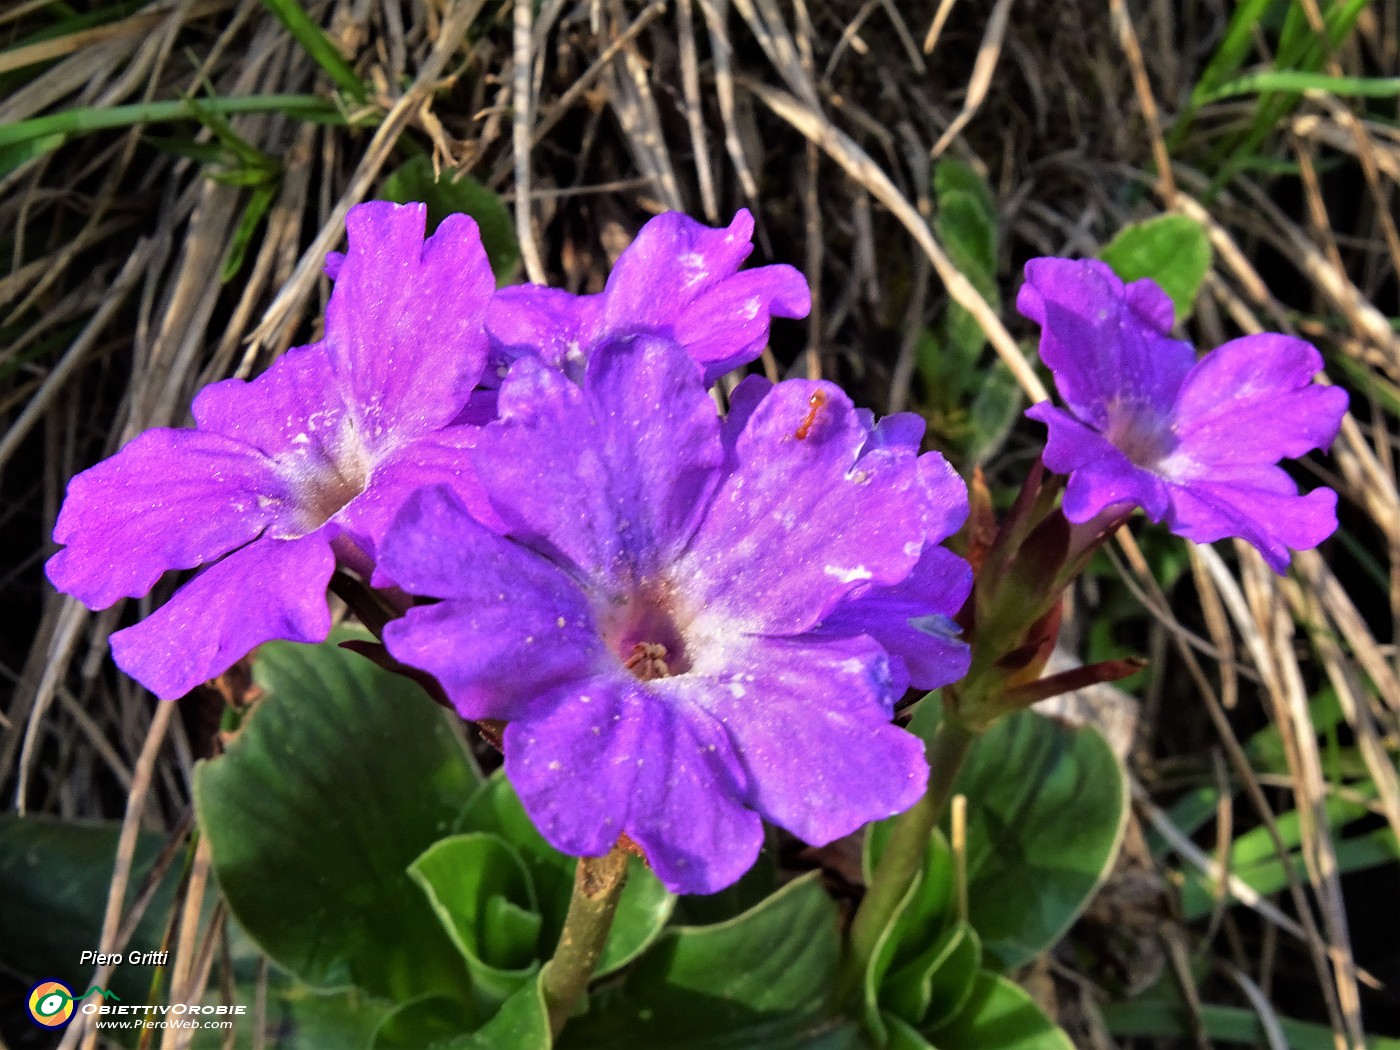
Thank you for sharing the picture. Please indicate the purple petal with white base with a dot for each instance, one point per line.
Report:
(285, 473)
(678, 279)
(1194, 443)
(649, 624)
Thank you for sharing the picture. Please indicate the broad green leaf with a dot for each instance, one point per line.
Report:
(925, 962)
(936, 984)
(1173, 250)
(901, 1036)
(641, 913)
(1046, 809)
(757, 884)
(999, 1016)
(430, 1022)
(760, 980)
(341, 777)
(521, 1024)
(54, 879)
(300, 1019)
(484, 896)
(449, 193)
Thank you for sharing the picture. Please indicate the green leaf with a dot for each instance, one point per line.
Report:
(1224, 1024)
(54, 879)
(952, 176)
(85, 120)
(485, 898)
(248, 225)
(1046, 809)
(521, 1024)
(994, 412)
(935, 985)
(341, 777)
(315, 43)
(299, 1018)
(1304, 80)
(1173, 250)
(760, 980)
(415, 181)
(642, 911)
(999, 1016)
(966, 222)
(756, 884)
(430, 1022)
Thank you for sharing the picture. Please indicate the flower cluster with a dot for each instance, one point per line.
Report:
(688, 622)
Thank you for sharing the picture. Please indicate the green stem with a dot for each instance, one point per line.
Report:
(904, 852)
(598, 883)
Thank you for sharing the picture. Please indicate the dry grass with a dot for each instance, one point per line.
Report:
(824, 118)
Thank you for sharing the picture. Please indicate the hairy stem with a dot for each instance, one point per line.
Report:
(904, 852)
(598, 883)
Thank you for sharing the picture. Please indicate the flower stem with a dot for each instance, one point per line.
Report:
(598, 883)
(904, 852)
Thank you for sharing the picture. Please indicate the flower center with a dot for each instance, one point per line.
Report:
(327, 471)
(342, 481)
(1140, 434)
(645, 632)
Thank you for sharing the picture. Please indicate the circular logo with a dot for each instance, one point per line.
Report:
(50, 1004)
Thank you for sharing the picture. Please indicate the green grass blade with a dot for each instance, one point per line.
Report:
(316, 44)
(1234, 46)
(1302, 80)
(82, 121)
(1226, 1024)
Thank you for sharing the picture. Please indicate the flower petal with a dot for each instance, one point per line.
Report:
(610, 758)
(912, 621)
(559, 327)
(515, 626)
(295, 405)
(1098, 344)
(443, 458)
(271, 589)
(614, 476)
(1267, 515)
(672, 261)
(1101, 476)
(170, 499)
(809, 720)
(1253, 401)
(727, 326)
(405, 323)
(799, 523)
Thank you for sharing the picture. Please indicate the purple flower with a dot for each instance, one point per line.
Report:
(678, 279)
(285, 474)
(1196, 443)
(689, 624)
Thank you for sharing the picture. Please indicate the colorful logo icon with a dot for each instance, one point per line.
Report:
(50, 1004)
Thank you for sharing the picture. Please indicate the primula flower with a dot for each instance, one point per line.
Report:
(1196, 443)
(283, 475)
(679, 279)
(689, 623)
